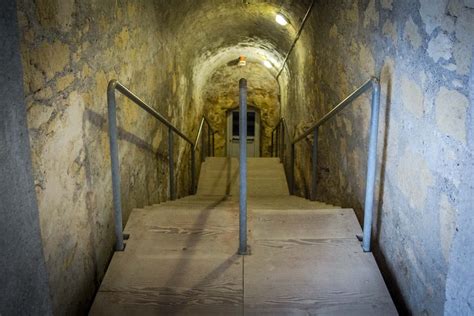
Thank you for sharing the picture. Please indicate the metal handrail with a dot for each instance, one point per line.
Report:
(210, 146)
(338, 108)
(113, 86)
(116, 85)
(372, 83)
(278, 142)
(210, 135)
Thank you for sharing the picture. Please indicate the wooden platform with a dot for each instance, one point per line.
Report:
(181, 260)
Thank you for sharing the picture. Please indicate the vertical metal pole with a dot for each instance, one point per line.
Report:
(243, 167)
(193, 169)
(271, 147)
(314, 165)
(203, 144)
(213, 144)
(371, 167)
(114, 157)
(277, 138)
(171, 163)
(209, 153)
(282, 153)
(292, 169)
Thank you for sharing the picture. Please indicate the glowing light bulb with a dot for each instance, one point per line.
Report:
(273, 61)
(267, 64)
(280, 19)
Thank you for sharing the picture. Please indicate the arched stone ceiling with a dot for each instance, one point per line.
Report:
(214, 33)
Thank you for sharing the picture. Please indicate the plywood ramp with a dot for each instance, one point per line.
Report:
(181, 260)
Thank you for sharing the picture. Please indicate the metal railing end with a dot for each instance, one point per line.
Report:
(112, 85)
(375, 81)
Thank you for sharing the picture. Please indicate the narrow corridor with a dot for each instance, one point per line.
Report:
(117, 118)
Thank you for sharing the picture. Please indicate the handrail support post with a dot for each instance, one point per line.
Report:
(115, 165)
(371, 167)
(209, 153)
(271, 147)
(193, 169)
(292, 169)
(171, 163)
(113, 86)
(277, 140)
(314, 164)
(213, 144)
(203, 152)
(282, 134)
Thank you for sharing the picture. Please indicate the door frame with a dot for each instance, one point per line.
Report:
(257, 119)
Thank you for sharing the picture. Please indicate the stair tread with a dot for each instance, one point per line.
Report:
(265, 177)
(329, 276)
(273, 201)
(181, 260)
(181, 256)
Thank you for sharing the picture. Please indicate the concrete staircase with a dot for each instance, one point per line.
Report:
(220, 176)
(181, 256)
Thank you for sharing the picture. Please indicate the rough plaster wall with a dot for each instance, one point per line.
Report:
(222, 94)
(460, 288)
(70, 51)
(159, 49)
(24, 286)
(422, 51)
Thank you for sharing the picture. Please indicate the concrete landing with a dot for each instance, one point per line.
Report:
(181, 256)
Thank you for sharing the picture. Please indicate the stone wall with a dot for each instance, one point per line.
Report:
(221, 94)
(24, 286)
(459, 285)
(422, 52)
(175, 55)
(71, 50)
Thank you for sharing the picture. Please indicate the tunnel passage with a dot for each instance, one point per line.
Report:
(180, 57)
(220, 97)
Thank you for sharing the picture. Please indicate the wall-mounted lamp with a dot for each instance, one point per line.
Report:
(280, 19)
(242, 61)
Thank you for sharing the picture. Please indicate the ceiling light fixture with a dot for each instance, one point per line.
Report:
(280, 19)
(242, 61)
(273, 61)
(267, 64)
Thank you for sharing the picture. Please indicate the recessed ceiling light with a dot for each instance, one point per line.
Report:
(280, 19)
(267, 64)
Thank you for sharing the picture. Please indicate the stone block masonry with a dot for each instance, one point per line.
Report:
(70, 50)
(422, 52)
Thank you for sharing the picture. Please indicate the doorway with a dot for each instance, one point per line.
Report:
(253, 132)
